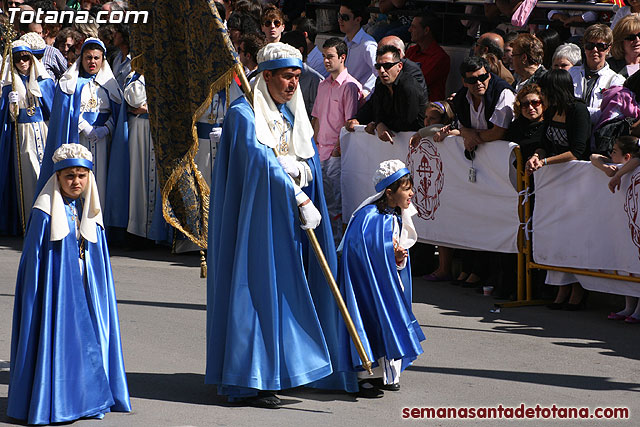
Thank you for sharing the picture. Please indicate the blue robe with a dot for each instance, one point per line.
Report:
(267, 300)
(66, 356)
(379, 307)
(63, 129)
(9, 205)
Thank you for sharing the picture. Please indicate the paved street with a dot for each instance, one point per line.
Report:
(472, 357)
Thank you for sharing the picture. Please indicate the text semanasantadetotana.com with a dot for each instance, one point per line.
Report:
(519, 412)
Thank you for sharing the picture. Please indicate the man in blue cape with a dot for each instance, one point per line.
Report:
(271, 319)
(66, 354)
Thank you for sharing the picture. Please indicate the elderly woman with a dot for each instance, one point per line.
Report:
(566, 56)
(625, 52)
(566, 135)
(27, 96)
(272, 22)
(527, 55)
(86, 110)
(526, 128)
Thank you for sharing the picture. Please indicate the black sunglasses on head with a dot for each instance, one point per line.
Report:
(475, 79)
(344, 17)
(600, 46)
(386, 65)
(632, 37)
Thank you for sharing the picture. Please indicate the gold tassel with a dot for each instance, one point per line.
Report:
(203, 266)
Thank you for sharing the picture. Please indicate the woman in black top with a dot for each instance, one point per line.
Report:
(526, 129)
(566, 135)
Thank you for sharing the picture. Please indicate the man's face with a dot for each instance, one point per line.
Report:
(282, 83)
(332, 62)
(73, 181)
(272, 29)
(596, 52)
(34, 27)
(477, 82)
(416, 30)
(388, 68)
(347, 21)
(92, 61)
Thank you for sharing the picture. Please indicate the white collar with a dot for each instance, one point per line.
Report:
(105, 78)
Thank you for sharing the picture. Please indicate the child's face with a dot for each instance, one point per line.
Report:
(617, 156)
(402, 197)
(73, 181)
(432, 116)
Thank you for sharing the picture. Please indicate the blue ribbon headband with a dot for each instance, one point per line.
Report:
(71, 163)
(94, 41)
(38, 51)
(391, 179)
(280, 63)
(21, 49)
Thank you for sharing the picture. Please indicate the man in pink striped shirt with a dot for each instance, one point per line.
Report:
(337, 101)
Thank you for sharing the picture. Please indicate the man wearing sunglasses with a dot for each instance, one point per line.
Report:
(362, 47)
(484, 106)
(592, 78)
(398, 102)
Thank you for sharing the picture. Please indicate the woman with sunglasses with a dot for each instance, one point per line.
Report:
(272, 24)
(27, 96)
(566, 135)
(625, 51)
(526, 128)
(594, 77)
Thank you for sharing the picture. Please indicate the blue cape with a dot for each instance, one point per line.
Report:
(267, 301)
(66, 356)
(9, 206)
(63, 129)
(380, 309)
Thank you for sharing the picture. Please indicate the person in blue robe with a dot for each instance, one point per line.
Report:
(66, 355)
(87, 110)
(375, 279)
(271, 319)
(32, 100)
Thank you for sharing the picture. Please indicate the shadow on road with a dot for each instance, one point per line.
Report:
(184, 306)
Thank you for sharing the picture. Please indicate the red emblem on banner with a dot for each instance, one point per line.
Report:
(426, 168)
(631, 207)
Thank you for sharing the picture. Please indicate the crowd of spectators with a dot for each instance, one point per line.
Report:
(389, 73)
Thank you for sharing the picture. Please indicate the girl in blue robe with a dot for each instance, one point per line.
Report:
(66, 355)
(375, 279)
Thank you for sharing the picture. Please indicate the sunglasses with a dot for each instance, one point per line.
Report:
(535, 103)
(20, 58)
(632, 37)
(344, 17)
(386, 65)
(600, 46)
(476, 79)
(276, 23)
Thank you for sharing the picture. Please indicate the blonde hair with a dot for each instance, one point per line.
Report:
(444, 108)
(630, 24)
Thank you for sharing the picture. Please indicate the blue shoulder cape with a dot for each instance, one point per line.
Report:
(370, 283)
(63, 129)
(66, 355)
(265, 320)
(9, 207)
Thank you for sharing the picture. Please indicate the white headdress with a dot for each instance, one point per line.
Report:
(387, 173)
(50, 199)
(271, 57)
(36, 71)
(104, 78)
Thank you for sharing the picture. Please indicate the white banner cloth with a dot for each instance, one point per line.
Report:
(452, 211)
(579, 223)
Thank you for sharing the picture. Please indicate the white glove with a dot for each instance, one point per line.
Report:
(87, 130)
(13, 97)
(310, 216)
(289, 165)
(215, 134)
(98, 133)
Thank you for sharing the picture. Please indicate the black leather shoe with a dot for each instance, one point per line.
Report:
(368, 390)
(264, 399)
(391, 387)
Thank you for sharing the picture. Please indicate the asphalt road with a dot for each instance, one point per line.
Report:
(472, 357)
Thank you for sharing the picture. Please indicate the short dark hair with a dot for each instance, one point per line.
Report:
(429, 19)
(296, 39)
(252, 44)
(358, 8)
(472, 64)
(389, 49)
(338, 43)
(243, 22)
(307, 25)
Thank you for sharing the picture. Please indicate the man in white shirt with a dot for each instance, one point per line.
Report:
(362, 47)
(592, 78)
